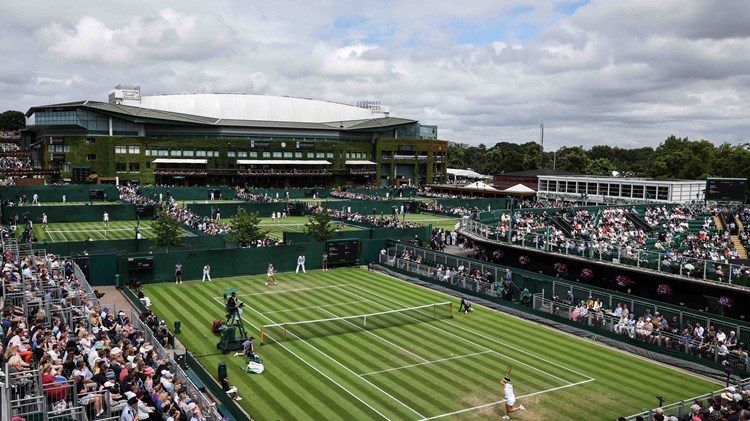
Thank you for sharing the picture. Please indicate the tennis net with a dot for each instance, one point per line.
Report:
(280, 332)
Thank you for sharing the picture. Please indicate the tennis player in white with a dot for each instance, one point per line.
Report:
(510, 399)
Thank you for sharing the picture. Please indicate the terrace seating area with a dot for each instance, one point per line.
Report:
(283, 171)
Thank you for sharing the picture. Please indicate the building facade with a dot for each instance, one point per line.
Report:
(615, 190)
(163, 146)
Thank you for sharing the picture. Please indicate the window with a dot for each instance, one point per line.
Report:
(91, 157)
(266, 154)
(120, 149)
(187, 153)
(163, 152)
(175, 152)
(288, 155)
(134, 149)
(213, 153)
(252, 154)
(242, 154)
(148, 152)
(277, 155)
(348, 154)
(66, 166)
(120, 167)
(231, 154)
(320, 155)
(200, 153)
(148, 165)
(329, 155)
(135, 167)
(298, 154)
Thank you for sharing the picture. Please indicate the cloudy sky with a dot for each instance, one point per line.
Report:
(625, 73)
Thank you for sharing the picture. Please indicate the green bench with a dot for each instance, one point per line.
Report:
(226, 412)
(196, 380)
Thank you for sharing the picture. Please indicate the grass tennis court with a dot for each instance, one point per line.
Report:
(437, 221)
(97, 231)
(443, 369)
(292, 224)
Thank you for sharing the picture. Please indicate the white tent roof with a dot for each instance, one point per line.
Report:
(520, 188)
(179, 161)
(360, 163)
(478, 185)
(465, 173)
(280, 162)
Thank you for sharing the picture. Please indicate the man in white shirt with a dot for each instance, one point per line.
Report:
(207, 273)
(301, 263)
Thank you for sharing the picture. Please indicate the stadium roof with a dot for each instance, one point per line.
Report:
(258, 107)
(147, 115)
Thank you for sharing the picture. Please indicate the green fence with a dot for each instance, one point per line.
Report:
(188, 193)
(382, 192)
(493, 203)
(54, 193)
(127, 246)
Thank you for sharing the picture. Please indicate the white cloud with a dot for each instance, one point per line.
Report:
(620, 73)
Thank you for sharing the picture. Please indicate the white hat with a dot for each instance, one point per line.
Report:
(110, 384)
(130, 395)
(115, 350)
(191, 406)
(695, 407)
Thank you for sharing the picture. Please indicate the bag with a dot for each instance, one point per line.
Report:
(254, 368)
(59, 406)
(216, 326)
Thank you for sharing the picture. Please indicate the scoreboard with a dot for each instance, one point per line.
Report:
(343, 251)
(726, 189)
(141, 263)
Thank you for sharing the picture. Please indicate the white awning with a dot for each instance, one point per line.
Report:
(360, 163)
(478, 185)
(466, 173)
(280, 162)
(520, 188)
(179, 161)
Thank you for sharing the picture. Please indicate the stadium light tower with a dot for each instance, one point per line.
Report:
(541, 142)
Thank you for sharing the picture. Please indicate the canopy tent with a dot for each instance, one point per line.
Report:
(360, 163)
(520, 188)
(478, 185)
(179, 161)
(456, 173)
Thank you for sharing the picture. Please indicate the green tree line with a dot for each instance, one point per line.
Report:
(676, 157)
(12, 121)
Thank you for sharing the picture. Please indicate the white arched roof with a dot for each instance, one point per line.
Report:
(257, 107)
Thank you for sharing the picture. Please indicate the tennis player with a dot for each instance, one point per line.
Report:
(510, 399)
(270, 274)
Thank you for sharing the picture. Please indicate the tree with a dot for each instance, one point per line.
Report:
(12, 121)
(166, 228)
(600, 166)
(319, 227)
(532, 156)
(247, 228)
(456, 157)
(573, 159)
(493, 163)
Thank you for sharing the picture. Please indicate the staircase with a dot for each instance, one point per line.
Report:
(739, 247)
(718, 222)
(563, 225)
(638, 222)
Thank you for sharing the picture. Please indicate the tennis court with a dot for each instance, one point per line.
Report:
(418, 364)
(96, 231)
(277, 226)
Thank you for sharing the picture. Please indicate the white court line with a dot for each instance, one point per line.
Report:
(464, 339)
(498, 402)
(313, 367)
(279, 291)
(307, 308)
(378, 336)
(48, 234)
(428, 362)
(63, 236)
(346, 368)
(486, 337)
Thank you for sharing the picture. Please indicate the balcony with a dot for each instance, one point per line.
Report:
(196, 172)
(293, 172)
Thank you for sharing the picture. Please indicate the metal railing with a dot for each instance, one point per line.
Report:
(551, 287)
(715, 272)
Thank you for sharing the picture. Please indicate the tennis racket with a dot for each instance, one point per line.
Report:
(507, 370)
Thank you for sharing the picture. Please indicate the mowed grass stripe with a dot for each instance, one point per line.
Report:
(282, 399)
(624, 384)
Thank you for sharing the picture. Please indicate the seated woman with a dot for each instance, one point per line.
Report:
(54, 390)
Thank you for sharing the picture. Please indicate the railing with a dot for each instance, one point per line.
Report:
(610, 322)
(180, 171)
(282, 171)
(552, 287)
(682, 408)
(697, 269)
(207, 408)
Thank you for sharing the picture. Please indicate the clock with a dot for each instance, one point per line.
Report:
(283, 144)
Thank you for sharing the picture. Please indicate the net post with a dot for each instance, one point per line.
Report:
(262, 330)
(451, 311)
(284, 332)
